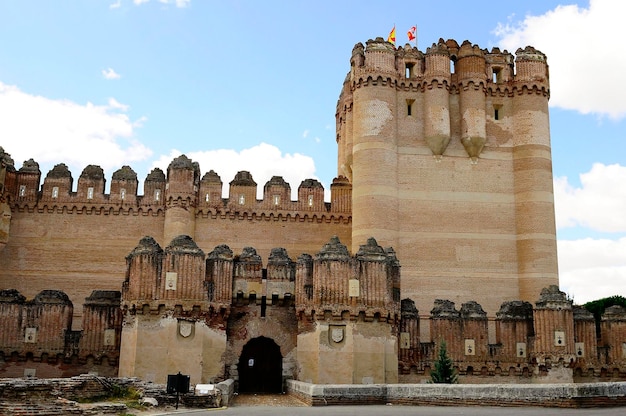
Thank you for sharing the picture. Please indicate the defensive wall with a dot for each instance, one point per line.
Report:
(550, 341)
(54, 230)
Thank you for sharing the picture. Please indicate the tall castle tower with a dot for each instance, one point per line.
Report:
(448, 153)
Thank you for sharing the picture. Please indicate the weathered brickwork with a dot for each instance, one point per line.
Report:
(444, 168)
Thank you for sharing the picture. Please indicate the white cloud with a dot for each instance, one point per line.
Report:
(109, 73)
(116, 5)
(113, 103)
(586, 68)
(598, 204)
(263, 161)
(55, 131)
(305, 134)
(592, 269)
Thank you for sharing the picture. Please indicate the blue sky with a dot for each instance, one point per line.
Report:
(252, 85)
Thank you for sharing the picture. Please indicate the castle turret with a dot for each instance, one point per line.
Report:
(181, 198)
(184, 268)
(554, 331)
(613, 334)
(471, 76)
(585, 341)
(374, 145)
(514, 327)
(437, 79)
(7, 183)
(532, 172)
(102, 326)
(219, 268)
(143, 274)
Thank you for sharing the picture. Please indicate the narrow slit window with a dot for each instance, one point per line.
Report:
(242, 199)
(453, 65)
(123, 193)
(408, 70)
(409, 107)
(276, 199)
(55, 192)
(90, 193)
(263, 305)
(207, 198)
(497, 114)
(496, 76)
(157, 194)
(22, 190)
(310, 200)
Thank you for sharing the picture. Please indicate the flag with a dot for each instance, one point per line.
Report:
(411, 33)
(392, 36)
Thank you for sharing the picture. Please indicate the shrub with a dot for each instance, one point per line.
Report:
(444, 371)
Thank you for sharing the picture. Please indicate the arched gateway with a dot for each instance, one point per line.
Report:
(260, 367)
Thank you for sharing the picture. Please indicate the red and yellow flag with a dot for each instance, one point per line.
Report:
(392, 36)
(411, 33)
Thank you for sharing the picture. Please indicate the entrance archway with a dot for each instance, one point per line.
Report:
(260, 367)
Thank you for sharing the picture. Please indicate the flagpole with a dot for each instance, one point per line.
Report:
(416, 37)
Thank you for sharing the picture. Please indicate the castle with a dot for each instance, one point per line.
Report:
(443, 197)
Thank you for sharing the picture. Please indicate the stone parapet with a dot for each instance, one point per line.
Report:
(510, 395)
(181, 188)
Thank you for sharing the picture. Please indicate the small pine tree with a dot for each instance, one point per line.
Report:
(444, 371)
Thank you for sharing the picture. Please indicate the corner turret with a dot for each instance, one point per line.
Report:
(181, 198)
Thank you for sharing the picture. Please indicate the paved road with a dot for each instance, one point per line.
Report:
(398, 411)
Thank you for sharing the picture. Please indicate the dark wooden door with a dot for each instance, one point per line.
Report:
(261, 367)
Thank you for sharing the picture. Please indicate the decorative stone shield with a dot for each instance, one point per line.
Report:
(184, 328)
(337, 334)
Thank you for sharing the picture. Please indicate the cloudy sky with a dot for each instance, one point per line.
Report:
(252, 85)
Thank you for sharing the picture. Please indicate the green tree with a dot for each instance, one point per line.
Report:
(444, 371)
(597, 308)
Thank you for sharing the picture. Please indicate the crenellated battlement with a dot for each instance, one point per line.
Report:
(181, 187)
(445, 62)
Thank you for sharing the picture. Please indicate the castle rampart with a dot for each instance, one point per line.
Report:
(79, 223)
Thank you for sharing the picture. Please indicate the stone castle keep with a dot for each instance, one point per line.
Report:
(443, 197)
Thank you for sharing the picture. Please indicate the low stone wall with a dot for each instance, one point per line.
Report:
(546, 395)
(227, 388)
(59, 396)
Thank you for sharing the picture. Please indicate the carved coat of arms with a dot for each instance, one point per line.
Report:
(337, 334)
(185, 328)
